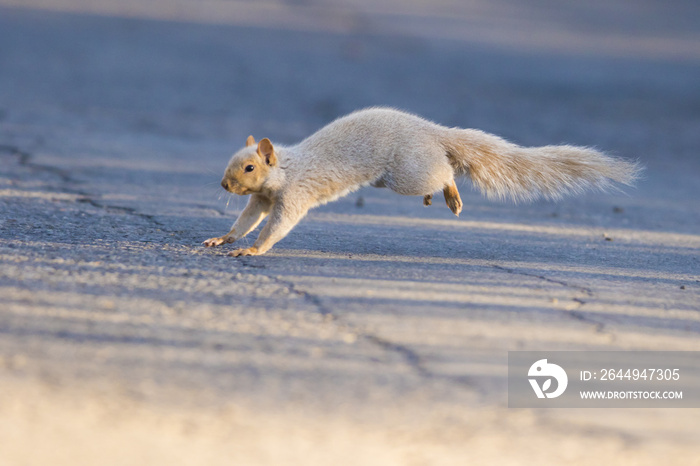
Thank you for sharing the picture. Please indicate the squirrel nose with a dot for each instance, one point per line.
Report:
(224, 184)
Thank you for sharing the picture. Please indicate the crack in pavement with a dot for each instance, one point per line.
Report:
(599, 327)
(24, 159)
(88, 199)
(410, 357)
(582, 289)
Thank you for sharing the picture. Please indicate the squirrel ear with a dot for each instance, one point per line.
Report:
(267, 152)
(250, 141)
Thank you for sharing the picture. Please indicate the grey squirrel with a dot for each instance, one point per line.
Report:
(389, 148)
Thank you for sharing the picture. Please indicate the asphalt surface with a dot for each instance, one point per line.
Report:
(377, 332)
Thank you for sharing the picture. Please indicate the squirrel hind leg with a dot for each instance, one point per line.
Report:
(452, 199)
(428, 200)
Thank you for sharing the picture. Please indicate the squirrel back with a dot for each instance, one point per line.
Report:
(414, 156)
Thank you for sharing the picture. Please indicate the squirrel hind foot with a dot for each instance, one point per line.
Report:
(428, 200)
(452, 199)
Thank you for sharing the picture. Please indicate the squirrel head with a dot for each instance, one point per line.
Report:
(250, 167)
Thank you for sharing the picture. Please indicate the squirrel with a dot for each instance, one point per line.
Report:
(384, 147)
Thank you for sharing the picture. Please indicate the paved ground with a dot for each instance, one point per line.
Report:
(377, 332)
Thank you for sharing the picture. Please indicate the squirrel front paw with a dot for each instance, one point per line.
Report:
(251, 251)
(211, 242)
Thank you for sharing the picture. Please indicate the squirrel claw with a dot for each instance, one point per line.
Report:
(454, 202)
(211, 242)
(455, 205)
(251, 251)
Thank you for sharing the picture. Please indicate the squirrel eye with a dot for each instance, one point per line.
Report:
(249, 168)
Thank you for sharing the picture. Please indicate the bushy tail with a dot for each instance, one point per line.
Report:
(504, 170)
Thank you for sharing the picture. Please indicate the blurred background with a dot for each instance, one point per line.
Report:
(121, 341)
(535, 72)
